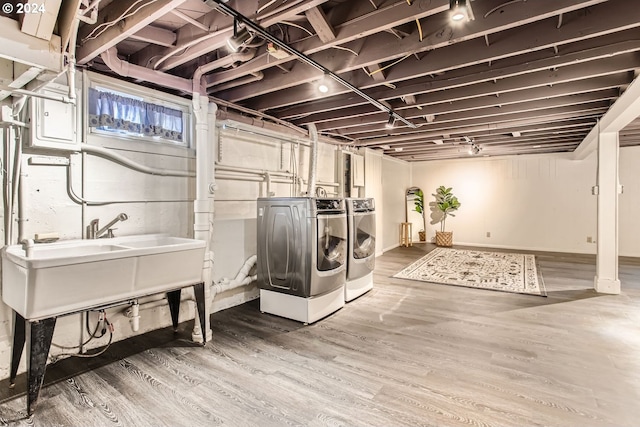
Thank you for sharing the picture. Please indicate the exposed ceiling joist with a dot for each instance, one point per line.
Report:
(319, 22)
(20, 47)
(446, 57)
(116, 22)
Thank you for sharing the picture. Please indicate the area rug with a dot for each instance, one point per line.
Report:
(497, 271)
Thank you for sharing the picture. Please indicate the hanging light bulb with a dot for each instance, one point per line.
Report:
(458, 9)
(323, 85)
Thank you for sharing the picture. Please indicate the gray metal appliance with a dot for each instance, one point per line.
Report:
(361, 221)
(302, 256)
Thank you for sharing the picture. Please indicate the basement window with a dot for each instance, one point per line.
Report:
(116, 113)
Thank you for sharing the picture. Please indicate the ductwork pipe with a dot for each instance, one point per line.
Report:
(126, 69)
(313, 159)
(220, 63)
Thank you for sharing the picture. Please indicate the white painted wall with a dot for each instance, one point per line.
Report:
(396, 179)
(261, 151)
(373, 189)
(537, 202)
(629, 202)
(49, 209)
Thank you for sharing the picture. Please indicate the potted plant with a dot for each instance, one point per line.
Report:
(446, 203)
(419, 207)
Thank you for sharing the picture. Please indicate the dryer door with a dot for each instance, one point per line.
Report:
(332, 242)
(364, 235)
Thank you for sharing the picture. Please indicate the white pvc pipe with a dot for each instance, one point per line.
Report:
(241, 279)
(225, 61)
(18, 191)
(313, 160)
(112, 155)
(126, 69)
(135, 316)
(82, 201)
(230, 168)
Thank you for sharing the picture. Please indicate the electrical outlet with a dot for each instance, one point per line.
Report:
(488, 234)
(589, 239)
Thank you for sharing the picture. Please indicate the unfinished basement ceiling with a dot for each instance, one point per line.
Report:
(520, 77)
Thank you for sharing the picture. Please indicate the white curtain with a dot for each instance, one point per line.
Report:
(110, 111)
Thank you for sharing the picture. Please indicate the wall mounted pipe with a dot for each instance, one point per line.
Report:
(118, 158)
(313, 160)
(126, 69)
(231, 177)
(82, 201)
(242, 278)
(240, 169)
(7, 187)
(204, 114)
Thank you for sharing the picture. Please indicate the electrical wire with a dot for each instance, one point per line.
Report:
(387, 66)
(419, 28)
(345, 48)
(297, 26)
(113, 22)
(91, 336)
(85, 355)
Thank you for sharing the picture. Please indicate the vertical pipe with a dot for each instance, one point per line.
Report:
(204, 113)
(313, 159)
(6, 178)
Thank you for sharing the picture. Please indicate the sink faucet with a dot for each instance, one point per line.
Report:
(94, 232)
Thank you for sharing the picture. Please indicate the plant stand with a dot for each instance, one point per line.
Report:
(444, 238)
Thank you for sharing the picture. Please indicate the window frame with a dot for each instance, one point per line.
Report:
(132, 142)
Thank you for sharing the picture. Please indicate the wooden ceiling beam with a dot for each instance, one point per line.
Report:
(319, 22)
(580, 53)
(463, 46)
(523, 104)
(116, 22)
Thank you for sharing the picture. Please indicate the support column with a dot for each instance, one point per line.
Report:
(606, 280)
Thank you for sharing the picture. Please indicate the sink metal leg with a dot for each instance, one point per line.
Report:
(200, 305)
(39, 336)
(174, 306)
(17, 346)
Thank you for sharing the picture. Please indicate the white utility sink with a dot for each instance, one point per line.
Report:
(73, 275)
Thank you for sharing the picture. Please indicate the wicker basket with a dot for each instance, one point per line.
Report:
(444, 238)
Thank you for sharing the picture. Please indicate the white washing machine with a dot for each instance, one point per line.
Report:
(302, 256)
(361, 221)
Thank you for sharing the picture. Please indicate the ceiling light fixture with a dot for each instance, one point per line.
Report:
(474, 149)
(239, 38)
(221, 6)
(458, 10)
(391, 122)
(323, 86)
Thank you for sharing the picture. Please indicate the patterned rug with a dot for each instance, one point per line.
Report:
(497, 271)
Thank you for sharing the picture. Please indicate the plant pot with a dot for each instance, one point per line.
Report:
(444, 238)
(422, 235)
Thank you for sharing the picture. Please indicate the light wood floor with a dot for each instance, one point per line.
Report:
(405, 354)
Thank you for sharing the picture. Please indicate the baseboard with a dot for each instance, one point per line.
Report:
(521, 248)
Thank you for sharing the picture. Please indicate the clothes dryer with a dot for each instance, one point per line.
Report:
(302, 250)
(361, 221)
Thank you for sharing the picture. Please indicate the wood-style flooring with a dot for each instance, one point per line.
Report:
(405, 354)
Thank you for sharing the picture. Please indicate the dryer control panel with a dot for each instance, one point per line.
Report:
(363, 205)
(330, 205)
